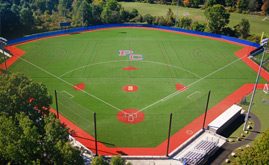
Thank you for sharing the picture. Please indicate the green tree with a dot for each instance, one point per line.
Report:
(10, 19)
(27, 19)
(64, 7)
(257, 153)
(197, 26)
(217, 18)
(242, 5)
(30, 134)
(210, 3)
(99, 160)
(117, 160)
(195, 3)
(97, 8)
(230, 3)
(185, 23)
(170, 18)
(244, 28)
(133, 13)
(23, 95)
(148, 18)
(111, 12)
(85, 10)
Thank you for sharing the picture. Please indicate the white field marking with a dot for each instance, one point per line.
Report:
(64, 91)
(85, 66)
(265, 18)
(167, 97)
(68, 83)
(194, 93)
(116, 61)
(191, 84)
(180, 68)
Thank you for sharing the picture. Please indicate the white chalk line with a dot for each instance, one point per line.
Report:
(194, 93)
(116, 61)
(70, 84)
(191, 84)
(64, 91)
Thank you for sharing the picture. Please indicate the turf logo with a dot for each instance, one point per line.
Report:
(135, 57)
(132, 57)
(125, 52)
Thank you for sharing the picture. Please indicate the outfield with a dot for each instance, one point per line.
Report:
(257, 24)
(91, 61)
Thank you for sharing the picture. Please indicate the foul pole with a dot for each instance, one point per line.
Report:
(263, 43)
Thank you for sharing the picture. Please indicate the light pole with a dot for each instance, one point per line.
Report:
(264, 43)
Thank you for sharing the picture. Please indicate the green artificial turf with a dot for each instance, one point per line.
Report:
(257, 24)
(92, 58)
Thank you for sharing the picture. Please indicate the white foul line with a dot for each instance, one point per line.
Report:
(194, 93)
(68, 83)
(64, 91)
(191, 84)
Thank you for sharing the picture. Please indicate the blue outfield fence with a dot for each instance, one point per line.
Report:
(81, 29)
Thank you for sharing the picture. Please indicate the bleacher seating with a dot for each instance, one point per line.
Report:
(199, 151)
(192, 157)
(205, 145)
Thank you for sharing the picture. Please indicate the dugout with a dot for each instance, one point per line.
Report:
(225, 119)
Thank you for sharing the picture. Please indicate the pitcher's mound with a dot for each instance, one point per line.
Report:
(130, 116)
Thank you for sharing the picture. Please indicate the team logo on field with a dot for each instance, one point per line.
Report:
(132, 56)
(125, 52)
(135, 57)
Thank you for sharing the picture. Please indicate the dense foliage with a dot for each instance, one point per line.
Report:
(234, 5)
(20, 17)
(257, 153)
(29, 134)
(217, 17)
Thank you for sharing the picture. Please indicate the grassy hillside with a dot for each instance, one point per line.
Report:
(257, 23)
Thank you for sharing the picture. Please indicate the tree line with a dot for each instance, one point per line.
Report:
(21, 17)
(241, 6)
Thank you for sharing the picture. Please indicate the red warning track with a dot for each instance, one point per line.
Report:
(176, 140)
(179, 137)
(16, 52)
(130, 116)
